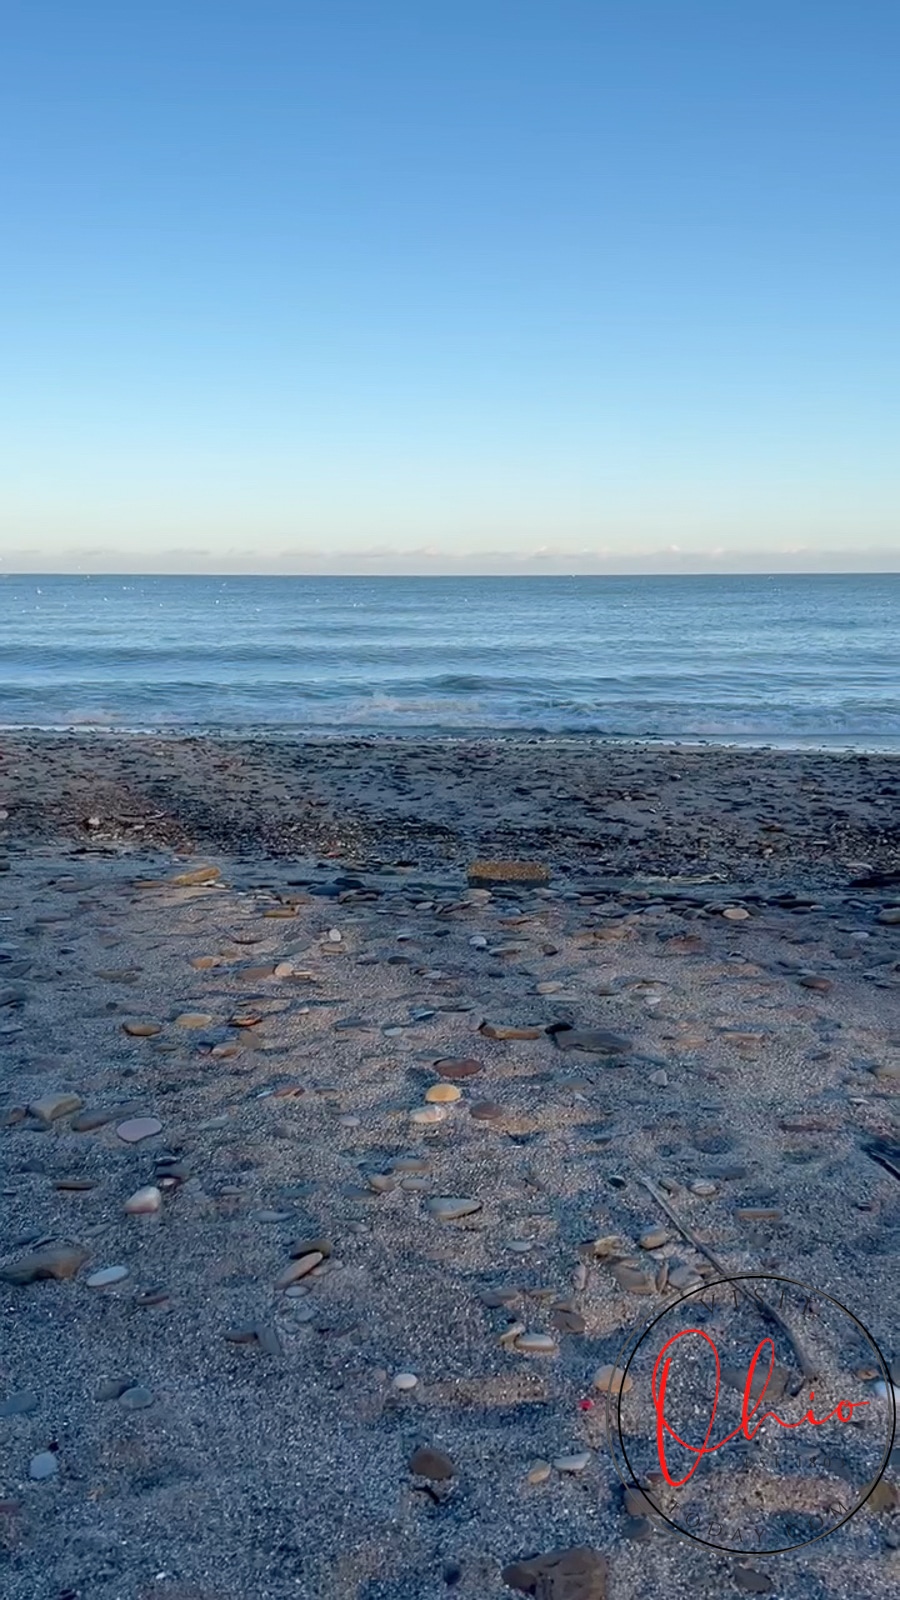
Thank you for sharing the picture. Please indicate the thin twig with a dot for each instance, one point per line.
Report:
(769, 1312)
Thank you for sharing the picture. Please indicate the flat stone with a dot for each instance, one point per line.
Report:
(455, 1068)
(427, 1462)
(736, 913)
(487, 1111)
(758, 1214)
(136, 1398)
(195, 876)
(428, 1114)
(43, 1466)
(136, 1029)
(612, 1380)
(107, 1276)
(144, 1201)
(573, 1463)
(442, 1094)
(593, 1041)
(633, 1279)
(299, 1269)
(194, 1019)
(88, 1121)
(53, 1261)
(134, 1129)
(308, 1247)
(889, 917)
(19, 1404)
(539, 1472)
(536, 1344)
(576, 1574)
(653, 1239)
(482, 874)
(503, 1030)
(818, 985)
(448, 1207)
(405, 1381)
(51, 1106)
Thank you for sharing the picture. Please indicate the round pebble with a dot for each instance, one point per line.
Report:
(611, 1380)
(573, 1463)
(539, 1472)
(428, 1114)
(136, 1398)
(443, 1094)
(405, 1381)
(134, 1129)
(536, 1344)
(43, 1466)
(144, 1201)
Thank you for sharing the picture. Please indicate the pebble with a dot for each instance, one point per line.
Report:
(54, 1261)
(405, 1381)
(539, 1472)
(443, 1094)
(144, 1201)
(428, 1114)
(88, 1121)
(43, 1466)
(486, 1111)
(703, 1186)
(573, 1463)
(19, 1404)
(501, 1030)
(633, 1278)
(448, 1207)
(889, 917)
(194, 1019)
(536, 1344)
(136, 1398)
(454, 1068)
(653, 1239)
(51, 1106)
(660, 1078)
(612, 1380)
(195, 876)
(134, 1129)
(577, 1574)
(141, 1030)
(299, 1269)
(106, 1276)
(335, 936)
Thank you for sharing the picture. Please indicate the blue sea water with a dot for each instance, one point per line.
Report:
(790, 660)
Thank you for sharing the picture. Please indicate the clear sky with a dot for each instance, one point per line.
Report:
(378, 285)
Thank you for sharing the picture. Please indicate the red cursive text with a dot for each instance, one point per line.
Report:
(843, 1411)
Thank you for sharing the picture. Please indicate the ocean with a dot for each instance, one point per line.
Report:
(790, 660)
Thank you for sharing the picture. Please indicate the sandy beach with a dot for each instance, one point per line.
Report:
(256, 1026)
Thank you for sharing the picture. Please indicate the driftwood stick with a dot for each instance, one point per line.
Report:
(806, 1365)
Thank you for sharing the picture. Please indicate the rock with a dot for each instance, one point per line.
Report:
(144, 1201)
(703, 1187)
(405, 1381)
(425, 1115)
(53, 1261)
(576, 1574)
(612, 1380)
(889, 917)
(448, 1207)
(136, 1398)
(426, 1462)
(19, 1404)
(573, 1463)
(636, 1502)
(654, 1239)
(539, 1472)
(818, 985)
(43, 1466)
(486, 1111)
(137, 1029)
(637, 1529)
(51, 1106)
(659, 1077)
(194, 1019)
(751, 1581)
(88, 1121)
(536, 1344)
(567, 1320)
(299, 1269)
(633, 1278)
(106, 1276)
(501, 1030)
(442, 1094)
(736, 913)
(195, 876)
(758, 1214)
(454, 1068)
(308, 1247)
(594, 1041)
(483, 874)
(134, 1129)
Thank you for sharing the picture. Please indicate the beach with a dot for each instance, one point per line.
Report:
(334, 1156)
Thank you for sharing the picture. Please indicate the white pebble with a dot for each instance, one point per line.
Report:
(334, 936)
(405, 1380)
(106, 1276)
(144, 1201)
(428, 1114)
(573, 1463)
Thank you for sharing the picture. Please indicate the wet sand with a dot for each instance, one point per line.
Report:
(221, 1419)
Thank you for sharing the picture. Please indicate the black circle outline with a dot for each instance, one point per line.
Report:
(694, 1293)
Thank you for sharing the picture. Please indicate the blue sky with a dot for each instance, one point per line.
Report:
(421, 285)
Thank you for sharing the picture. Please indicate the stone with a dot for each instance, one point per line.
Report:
(307, 1247)
(758, 1214)
(137, 1029)
(456, 1068)
(144, 1201)
(576, 1462)
(136, 1398)
(442, 1094)
(483, 874)
(594, 1041)
(107, 1276)
(19, 1404)
(195, 876)
(486, 1111)
(576, 1574)
(751, 1581)
(194, 1019)
(51, 1106)
(428, 1114)
(134, 1129)
(502, 1030)
(612, 1380)
(636, 1502)
(405, 1381)
(446, 1208)
(633, 1278)
(427, 1462)
(703, 1187)
(736, 913)
(654, 1239)
(889, 917)
(818, 985)
(89, 1121)
(299, 1269)
(42, 1466)
(53, 1261)
(539, 1472)
(536, 1344)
